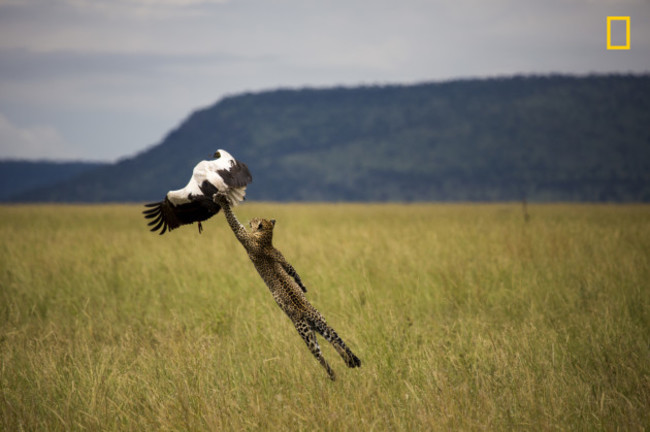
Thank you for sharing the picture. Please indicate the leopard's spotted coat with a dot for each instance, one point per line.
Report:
(286, 286)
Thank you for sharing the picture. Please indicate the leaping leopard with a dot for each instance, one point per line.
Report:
(285, 285)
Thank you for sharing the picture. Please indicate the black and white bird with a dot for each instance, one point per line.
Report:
(194, 202)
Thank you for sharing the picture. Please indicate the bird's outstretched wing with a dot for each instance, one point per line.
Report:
(167, 216)
(237, 175)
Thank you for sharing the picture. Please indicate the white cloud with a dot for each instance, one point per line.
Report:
(34, 142)
(143, 9)
(146, 3)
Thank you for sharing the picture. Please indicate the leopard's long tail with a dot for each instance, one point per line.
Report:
(330, 335)
(307, 330)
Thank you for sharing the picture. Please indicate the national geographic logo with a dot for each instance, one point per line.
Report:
(621, 26)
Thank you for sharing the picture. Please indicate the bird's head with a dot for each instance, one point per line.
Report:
(262, 229)
(221, 154)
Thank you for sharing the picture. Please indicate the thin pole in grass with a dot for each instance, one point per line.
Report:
(524, 208)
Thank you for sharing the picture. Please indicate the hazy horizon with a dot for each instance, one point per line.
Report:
(104, 80)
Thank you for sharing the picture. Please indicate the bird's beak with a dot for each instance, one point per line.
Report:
(216, 155)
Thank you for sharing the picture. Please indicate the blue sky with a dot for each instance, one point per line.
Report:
(105, 79)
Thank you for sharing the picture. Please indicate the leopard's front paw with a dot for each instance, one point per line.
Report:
(220, 198)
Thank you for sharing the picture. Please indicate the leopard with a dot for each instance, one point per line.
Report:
(286, 286)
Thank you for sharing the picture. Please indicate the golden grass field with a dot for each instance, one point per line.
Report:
(465, 317)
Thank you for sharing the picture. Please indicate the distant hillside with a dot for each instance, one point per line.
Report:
(17, 177)
(546, 138)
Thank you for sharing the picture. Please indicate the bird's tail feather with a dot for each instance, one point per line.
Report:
(236, 195)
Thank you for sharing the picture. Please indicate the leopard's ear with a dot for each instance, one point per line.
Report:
(273, 222)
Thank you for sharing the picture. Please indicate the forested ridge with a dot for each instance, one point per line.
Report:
(18, 176)
(545, 138)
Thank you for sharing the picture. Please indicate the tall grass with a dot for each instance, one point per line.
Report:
(465, 317)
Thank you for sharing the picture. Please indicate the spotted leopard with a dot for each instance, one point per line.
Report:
(285, 285)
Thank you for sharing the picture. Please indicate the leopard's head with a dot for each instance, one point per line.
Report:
(262, 229)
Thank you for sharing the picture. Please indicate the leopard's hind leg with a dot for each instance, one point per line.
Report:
(309, 336)
(330, 335)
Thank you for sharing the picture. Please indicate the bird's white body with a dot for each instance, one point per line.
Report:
(207, 171)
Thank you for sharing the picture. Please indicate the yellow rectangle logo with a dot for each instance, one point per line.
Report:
(626, 19)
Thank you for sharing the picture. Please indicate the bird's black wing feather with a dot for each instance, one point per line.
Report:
(167, 216)
(237, 175)
(208, 190)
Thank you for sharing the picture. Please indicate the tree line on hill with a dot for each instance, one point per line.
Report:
(544, 138)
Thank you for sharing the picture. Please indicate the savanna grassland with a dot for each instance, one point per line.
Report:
(466, 317)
